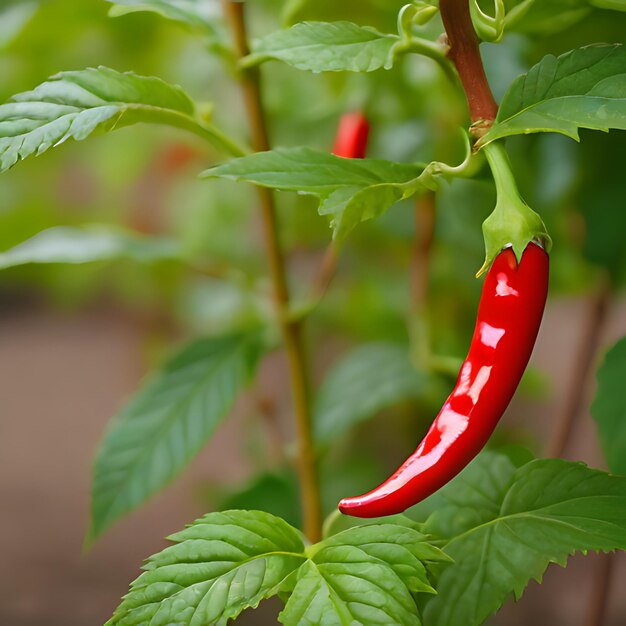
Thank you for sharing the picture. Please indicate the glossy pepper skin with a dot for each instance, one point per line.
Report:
(509, 315)
(352, 135)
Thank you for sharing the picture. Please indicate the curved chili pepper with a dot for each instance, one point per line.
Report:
(352, 134)
(509, 316)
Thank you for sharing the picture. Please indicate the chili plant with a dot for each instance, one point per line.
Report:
(444, 550)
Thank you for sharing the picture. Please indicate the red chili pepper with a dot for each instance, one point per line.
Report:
(352, 134)
(509, 316)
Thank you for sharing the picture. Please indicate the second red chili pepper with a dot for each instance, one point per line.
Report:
(509, 316)
(352, 134)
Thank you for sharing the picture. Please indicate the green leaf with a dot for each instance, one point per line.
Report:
(350, 190)
(219, 566)
(73, 105)
(400, 546)
(326, 47)
(609, 407)
(336, 522)
(583, 88)
(227, 562)
(68, 244)
(370, 378)
(503, 526)
(167, 423)
(364, 575)
(198, 14)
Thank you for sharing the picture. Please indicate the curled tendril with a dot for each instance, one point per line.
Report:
(418, 13)
(488, 28)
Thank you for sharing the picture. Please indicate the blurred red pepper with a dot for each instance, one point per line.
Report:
(352, 135)
(509, 316)
(176, 157)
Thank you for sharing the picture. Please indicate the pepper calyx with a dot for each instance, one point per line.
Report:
(512, 224)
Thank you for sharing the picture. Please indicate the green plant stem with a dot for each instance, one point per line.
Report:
(512, 222)
(500, 165)
(211, 134)
(420, 273)
(329, 522)
(419, 325)
(326, 272)
(465, 55)
(222, 141)
(433, 50)
(291, 329)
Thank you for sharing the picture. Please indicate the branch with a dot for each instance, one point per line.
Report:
(419, 277)
(291, 329)
(578, 385)
(326, 272)
(465, 54)
(574, 397)
(424, 235)
(601, 590)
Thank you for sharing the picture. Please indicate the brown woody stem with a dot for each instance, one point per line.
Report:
(465, 54)
(601, 590)
(579, 383)
(291, 330)
(326, 272)
(566, 421)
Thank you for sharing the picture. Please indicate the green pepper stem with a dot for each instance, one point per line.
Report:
(512, 223)
(498, 159)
